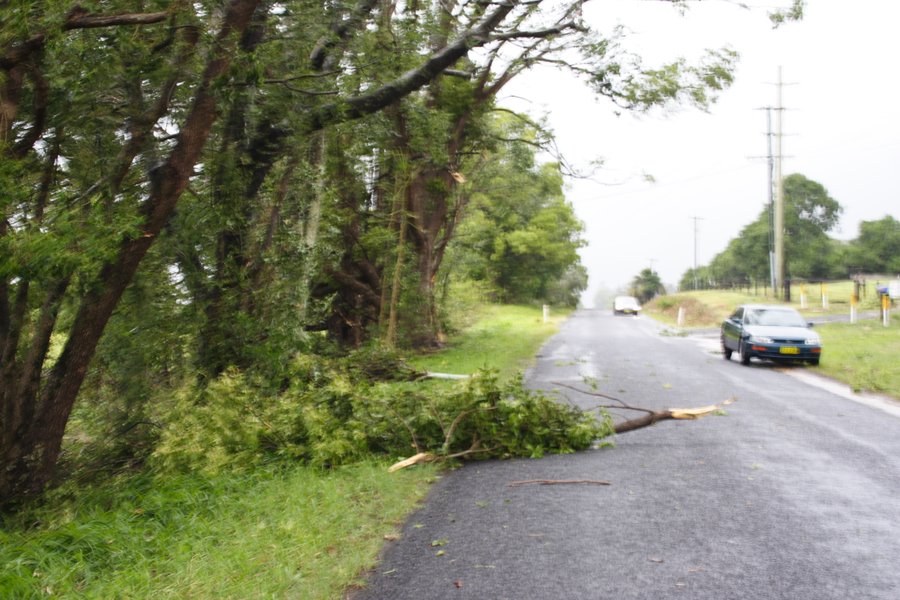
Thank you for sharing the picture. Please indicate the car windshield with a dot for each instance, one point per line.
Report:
(774, 317)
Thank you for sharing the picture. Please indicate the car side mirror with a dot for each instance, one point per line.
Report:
(810, 324)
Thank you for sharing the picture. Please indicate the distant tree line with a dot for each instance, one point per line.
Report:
(810, 254)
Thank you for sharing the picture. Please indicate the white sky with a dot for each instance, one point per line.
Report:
(842, 129)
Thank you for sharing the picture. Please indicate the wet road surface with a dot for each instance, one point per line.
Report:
(793, 493)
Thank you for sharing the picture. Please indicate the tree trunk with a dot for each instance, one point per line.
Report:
(313, 220)
(435, 207)
(396, 280)
(30, 457)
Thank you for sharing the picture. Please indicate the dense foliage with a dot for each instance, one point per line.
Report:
(332, 413)
(520, 236)
(190, 189)
(877, 247)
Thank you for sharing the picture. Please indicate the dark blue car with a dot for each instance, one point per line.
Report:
(770, 332)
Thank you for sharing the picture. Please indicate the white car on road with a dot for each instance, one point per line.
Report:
(626, 305)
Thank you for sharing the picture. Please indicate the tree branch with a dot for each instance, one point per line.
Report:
(559, 482)
(370, 102)
(537, 34)
(78, 18)
(652, 416)
(319, 58)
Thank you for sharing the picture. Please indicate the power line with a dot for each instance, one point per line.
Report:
(657, 186)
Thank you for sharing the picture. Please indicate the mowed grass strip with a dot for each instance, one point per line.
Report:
(505, 338)
(708, 308)
(865, 355)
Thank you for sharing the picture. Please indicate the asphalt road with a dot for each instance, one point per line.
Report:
(793, 494)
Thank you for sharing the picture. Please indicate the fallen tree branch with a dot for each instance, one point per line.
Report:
(652, 416)
(431, 375)
(559, 482)
(672, 413)
(599, 395)
(418, 459)
(426, 457)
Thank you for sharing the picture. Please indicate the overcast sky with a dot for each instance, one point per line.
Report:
(842, 129)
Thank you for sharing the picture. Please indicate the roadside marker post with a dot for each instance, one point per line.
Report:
(853, 302)
(546, 313)
(824, 296)
(886, 309)
(803, 297)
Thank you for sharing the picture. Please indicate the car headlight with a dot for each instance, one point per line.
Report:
(812, 342)
(760, 339)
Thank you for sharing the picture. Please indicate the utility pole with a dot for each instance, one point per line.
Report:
(771, 208)
(696, 285)
(778, 220)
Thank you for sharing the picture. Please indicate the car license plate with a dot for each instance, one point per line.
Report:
(789, 350)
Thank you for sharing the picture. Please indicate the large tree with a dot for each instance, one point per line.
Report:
(438, 136)
(104, 119)
(809, 214)
(646, 285)
(877, 247)
(521, 236)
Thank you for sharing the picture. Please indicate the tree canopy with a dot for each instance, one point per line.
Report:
(646, 285)
(877, 247)
(809, 214)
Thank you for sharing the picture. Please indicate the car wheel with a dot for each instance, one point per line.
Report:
(745, 355)
(814, 361)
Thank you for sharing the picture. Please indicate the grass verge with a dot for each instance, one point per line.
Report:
(278, 533)
(863, 355)
(505, 338)
(281, 532)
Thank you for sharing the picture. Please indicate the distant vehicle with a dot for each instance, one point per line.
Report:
(769, 332)
(626, 305)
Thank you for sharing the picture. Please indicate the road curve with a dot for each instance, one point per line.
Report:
(793, 494)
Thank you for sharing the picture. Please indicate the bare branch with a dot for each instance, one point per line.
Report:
(559, 482)
(86, 21)
(622, 403)
(320, 58)
(415, 79)
(78, 18)
(538, 34)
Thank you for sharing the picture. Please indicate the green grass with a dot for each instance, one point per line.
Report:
(293, 533)
(505, 338)
(289, 532)
(707, 308)
(863, 355)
